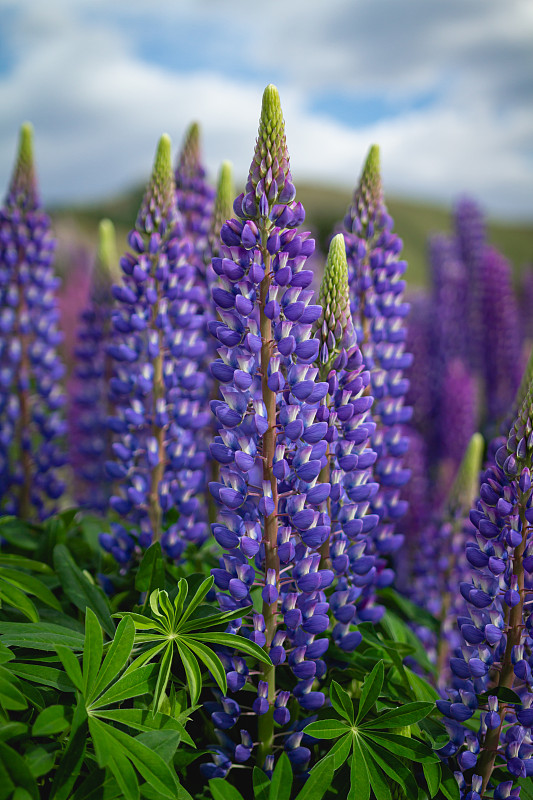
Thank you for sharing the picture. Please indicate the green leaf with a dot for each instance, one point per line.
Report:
(400, 717)
(212, 620)
(197, 599)
(39, 760)
(222, 790)
(147, 656)
(123, 771)
(116, 657)
(326, 729)
(5, 654)
(18, 770)
(403, 746)
(179, 600)
(504, 694)
(319, 780)
(11, 698)
(164, 743)
(141, 622)
(149, 763)
(422, 690)
(12, 730)
(378, 783)
(162, 677)
(51, 720)
(192, 671)
(340, 751)
(39, 636)
(432, 773)
(211, 661)
(238, 642)
(21, 562)
(79, 590)
(92, 652)
(13, 596)
(526, 789)
(341, 702)
(448, 785)
(143, 720)
(261, 784)
(46, 676)
(371, 690)
(72, 666)
(69, 768)
(281, 783)
(31, 585)
(18, 532)
(132, 684)
(151, 572)
(360, 780)
(393, 767)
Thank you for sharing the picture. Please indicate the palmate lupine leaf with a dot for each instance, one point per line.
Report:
(175, 624)
(375, 751)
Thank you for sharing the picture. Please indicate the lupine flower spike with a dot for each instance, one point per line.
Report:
(379, 311)
(31, 397)
(497, 629)
(345, 409)
(157, 347)
(90, 437)
(271, 444)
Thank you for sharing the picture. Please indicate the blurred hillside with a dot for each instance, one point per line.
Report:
(325, 207)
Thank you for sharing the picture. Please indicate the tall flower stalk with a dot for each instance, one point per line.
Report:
(158, 386)
(271, 444)
(31, 397)
(496, 630)
(379, 311)
(90, 437)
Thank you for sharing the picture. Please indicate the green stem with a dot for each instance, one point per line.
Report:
(270, 535)
(514, 634)
(154, 506)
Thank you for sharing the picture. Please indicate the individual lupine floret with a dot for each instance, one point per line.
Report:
(31, 398)
(348, 469)
(271, 445)
(194, 195)
(158, 389)
(90, 437)
(379, 311)
(497, 632)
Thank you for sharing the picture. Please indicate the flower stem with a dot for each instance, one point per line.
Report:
(270, 535)
(514, 634)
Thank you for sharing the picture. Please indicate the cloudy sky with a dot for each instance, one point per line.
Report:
(444, 86)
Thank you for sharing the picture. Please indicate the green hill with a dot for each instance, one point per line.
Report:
(325, 207)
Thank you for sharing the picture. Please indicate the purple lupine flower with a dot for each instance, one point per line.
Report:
(450, 297)
(501, 334)
(379, 311)
(271, 445)
(497, 647)
(194, 195)
(90, 438)
(413, 525)
(457, 421)
(158, 389)
(344, 413)
(422, 372)
(31, 397)
(471, 238)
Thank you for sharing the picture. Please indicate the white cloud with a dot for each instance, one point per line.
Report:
(99, 109)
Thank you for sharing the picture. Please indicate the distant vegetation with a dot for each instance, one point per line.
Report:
(325, 207)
